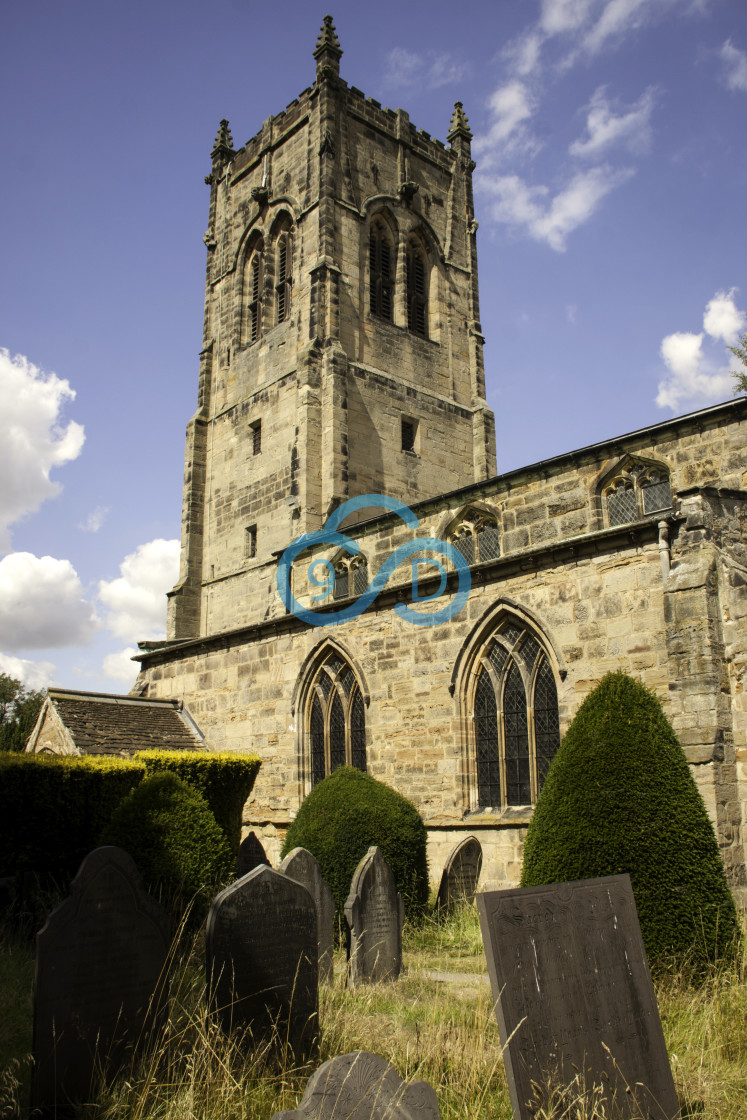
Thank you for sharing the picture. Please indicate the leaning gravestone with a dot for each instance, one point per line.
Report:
(362, 1086)
(301, 866)
(261, 960)
(460, 875)
(100, 981)
(251, 855)
(574, 1000)
(374, 913)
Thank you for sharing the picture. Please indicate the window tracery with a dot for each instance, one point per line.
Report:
(515, 718)
(637, 490)
(351, 576)
(335, 719)
(477, 536)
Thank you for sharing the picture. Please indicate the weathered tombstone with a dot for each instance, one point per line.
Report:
(573, 997)
(261, 960)
(301, 866)
(100, 982)
(251, 855)
(374, 913)
(460, 875)
(362, 1086)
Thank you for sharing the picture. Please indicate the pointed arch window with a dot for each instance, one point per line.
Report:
(477, 536)
(335, 719)
(253, 284)
(381, 272)
(516, 723)
(351, 576)
(637, 490)
(417, 314)
(284, 276)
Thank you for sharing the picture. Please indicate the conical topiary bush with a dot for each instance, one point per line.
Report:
(619, 797)
(347, 813)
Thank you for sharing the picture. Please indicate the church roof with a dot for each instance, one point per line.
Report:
(106, 724)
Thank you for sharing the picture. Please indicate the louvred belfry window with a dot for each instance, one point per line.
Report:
(255, 296)
(381, 272)
(335, 720)
(417, 321)
(516, 724)
(284, 277)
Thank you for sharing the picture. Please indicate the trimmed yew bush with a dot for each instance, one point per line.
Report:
(171, 833)
(347, 813)
(619, 797)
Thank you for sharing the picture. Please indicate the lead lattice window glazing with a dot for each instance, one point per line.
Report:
(516, 724)
(635, 492)
(335, 720)
(477, 537)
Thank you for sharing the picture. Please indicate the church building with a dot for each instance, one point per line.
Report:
(342, 357)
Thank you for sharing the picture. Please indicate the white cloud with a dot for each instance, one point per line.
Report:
(42, 604)
(735, 66)
(120, 666)
(95, 520)
(697, 375)
(429, 70)
(31, 674)
(32, 438)
(510, 107)
(618, 17)
(550, 220)
(722, 319)
(561, 16)
(136, 601)
(605, 129)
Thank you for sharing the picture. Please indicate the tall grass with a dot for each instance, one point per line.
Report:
(442, 1031)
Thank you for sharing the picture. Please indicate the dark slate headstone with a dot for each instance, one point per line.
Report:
(573, 996)
(100, 982)
(251, 855)
(374, 913)
(362, 1086)
(261, 960)
(460, 875)
(301, 866)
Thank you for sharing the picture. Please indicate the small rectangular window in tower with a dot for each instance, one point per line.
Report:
(409, 432)
(256, 430)
(250, 542)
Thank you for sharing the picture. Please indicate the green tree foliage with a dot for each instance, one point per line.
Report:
(740, 377)
(345, 815)
(169, 830)
(619, 797)
(19, 708)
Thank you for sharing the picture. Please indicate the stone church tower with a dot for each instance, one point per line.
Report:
(342, 343)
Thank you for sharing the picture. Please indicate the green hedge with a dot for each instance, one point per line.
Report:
(54, 807)
(620, 797)
(347, 813)
(225, 779)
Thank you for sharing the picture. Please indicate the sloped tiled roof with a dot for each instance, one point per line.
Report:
(105, 724)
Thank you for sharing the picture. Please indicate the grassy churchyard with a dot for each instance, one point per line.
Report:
(435, 1023)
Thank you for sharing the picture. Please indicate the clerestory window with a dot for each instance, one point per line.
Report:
(477, 536)
(515, 721)
(636, 491)
(335, 720)
(351, 576)
(381, 272)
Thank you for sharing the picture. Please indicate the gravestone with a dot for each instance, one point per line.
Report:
(100, 981)
(374, 913)
(301, 866)
(261, 960)
(363, 1086)
(460, 875)
(574, 999)
(251, 855)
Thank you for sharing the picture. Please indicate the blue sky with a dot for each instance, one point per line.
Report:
(610, 189)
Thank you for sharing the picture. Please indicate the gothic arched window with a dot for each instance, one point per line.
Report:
(351, 576)
(381, 271)
(252, 294)
(417, 295)
(476, 536)
(516, 724)
(335, 719)
(283, 276)
(636, 490)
